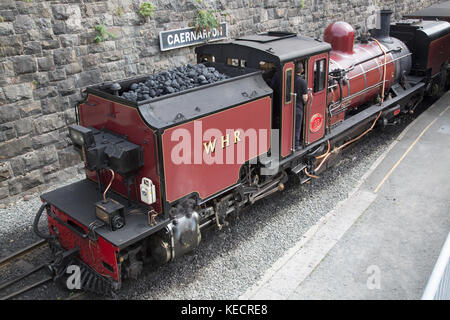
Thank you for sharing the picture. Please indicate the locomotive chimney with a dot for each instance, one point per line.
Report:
(385, 24)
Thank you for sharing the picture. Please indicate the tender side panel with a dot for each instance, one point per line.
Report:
(439, 53)
(204, 156)
(99, 255)
(101, 113)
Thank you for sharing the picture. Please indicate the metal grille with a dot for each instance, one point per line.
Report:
(438, 287)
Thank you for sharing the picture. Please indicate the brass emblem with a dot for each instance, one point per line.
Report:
(210, 146)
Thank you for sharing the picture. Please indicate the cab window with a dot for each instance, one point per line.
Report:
(288, 78)
(319, 75)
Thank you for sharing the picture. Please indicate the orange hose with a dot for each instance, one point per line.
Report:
(310, 175)
(384, 69)
(362, 134)
(323, 155)
(347, 143)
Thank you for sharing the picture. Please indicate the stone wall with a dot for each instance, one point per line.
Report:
(48, 53)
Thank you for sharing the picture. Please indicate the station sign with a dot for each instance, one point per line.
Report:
(179, 38)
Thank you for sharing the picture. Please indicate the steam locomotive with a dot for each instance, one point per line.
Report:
(160, 169)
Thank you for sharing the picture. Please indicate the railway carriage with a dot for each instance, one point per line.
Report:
(161, 169)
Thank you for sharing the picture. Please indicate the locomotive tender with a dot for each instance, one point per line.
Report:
(160, 170)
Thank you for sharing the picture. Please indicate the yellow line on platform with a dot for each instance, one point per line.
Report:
(408, 150)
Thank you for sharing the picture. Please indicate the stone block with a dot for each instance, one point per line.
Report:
(17, 166)
(27, 182)
(23, 24)
(61, 11)
(50, 105)
(7, 131)
(6, 29)
(30, 161)
(5, 171)
(24, 126)
(46, 139)
(44, 92)
(10, 46)
(14, 147)
(66, 87)
(88, 78)
(32, 47)
(4, 192)
(48, 123)
(50, 44)
(57, 75)
(47, 155)
(73, 68)
(68, 157)
(24, 64)
(30, 109)
(46, 63)
(64, 56)
(18, 92)
(69, 40)
(9, 113)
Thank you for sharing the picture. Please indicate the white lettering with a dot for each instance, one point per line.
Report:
(176, 39)
(170, 39)
(193, 36)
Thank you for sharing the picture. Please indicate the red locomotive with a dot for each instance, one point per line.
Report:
(159, 169)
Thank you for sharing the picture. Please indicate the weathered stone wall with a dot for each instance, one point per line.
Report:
(48, 53)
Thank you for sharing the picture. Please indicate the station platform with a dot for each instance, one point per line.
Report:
(382, 241)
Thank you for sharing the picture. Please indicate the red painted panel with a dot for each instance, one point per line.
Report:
(287, 124)
(439, 53)
(315, 114)
(189, 168)
(93, 253)
(101, 113)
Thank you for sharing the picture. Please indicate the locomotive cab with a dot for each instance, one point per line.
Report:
(275, 53)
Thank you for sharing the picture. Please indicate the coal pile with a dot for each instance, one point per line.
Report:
(174, 80)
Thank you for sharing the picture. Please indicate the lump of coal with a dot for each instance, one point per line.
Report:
(173, 80)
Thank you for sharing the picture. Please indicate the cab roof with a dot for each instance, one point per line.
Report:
(277, 47)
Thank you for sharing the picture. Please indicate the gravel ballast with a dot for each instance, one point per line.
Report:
(230, 261)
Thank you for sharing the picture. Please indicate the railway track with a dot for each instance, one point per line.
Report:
(42, 269)
(16, 256)
(20, 253)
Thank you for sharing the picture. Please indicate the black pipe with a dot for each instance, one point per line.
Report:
(36, 223)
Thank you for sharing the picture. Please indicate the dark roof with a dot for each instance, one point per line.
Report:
(275, 46)
(185, 106)
(438, 10)
(285, 48)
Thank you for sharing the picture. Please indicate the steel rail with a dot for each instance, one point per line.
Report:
(22, 252)
(27, 288)
(15, 280)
